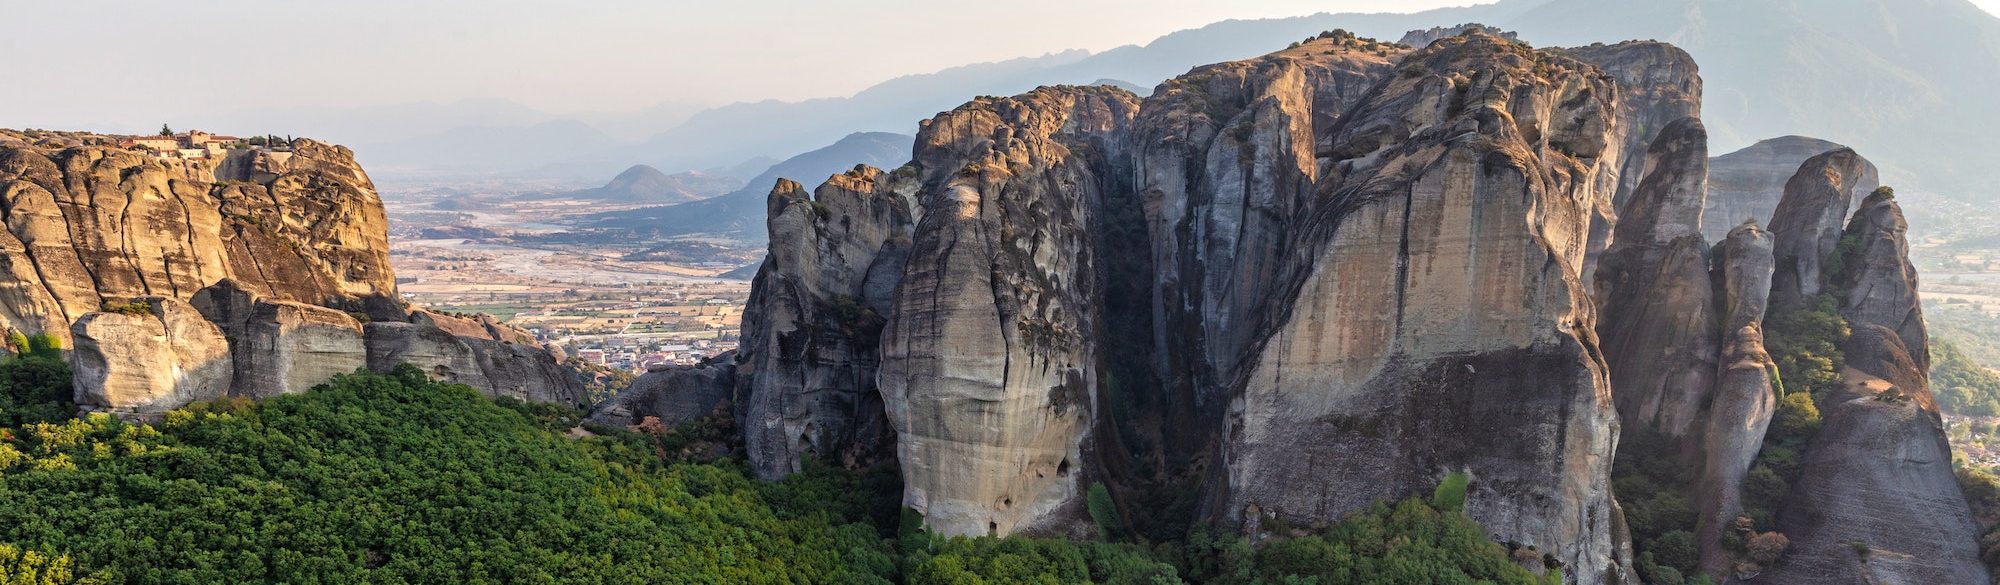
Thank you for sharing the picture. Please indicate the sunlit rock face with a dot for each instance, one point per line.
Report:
(813, 326)
(285, 251)
(1808, 222)
(1434, 320)
(1879, 471)
(156, 356)
(989, 358)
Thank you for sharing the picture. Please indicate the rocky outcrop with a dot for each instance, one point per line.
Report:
(1225, 157)
(1423, 38)
(1436, 321)
(1876, 501)
(674, 394)
(1657, 323)
(1808, 222)
(1658, 84)
(1745, 393)
(281, 347)
(989, 358)
(154, 355)
(814, 323)
(286, 251)
(475, 351)
(1747, 184)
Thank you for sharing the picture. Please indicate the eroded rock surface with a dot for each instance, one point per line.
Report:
(1658, 84)
(1747, 184)
(813, 327)
(989, 357)
(1745, 394)
(282, 347)
(1878, 475)
(145, 362)
(1437, 322)
(1808, 222)
(674, 394)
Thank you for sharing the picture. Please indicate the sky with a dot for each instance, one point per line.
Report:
(89, 63)
(148, 59)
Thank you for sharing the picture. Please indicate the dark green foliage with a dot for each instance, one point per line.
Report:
(35, 384)
(1963, 386)
(980, 561)
(395, 478)
(1103, 511)
(1806, 345)
(134, 308)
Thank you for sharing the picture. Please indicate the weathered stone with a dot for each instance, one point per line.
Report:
(989, 359)
(147, 364)
(1435, 321)
(674, 395)
(281, 347)
(813, 325)
(1878, 474)
(441, 355)
(1657, 325)
(1745, 394)
(1808, 222)
(1658, 84)
(1747, 184)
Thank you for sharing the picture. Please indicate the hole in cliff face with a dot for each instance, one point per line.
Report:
(1062, 469)
(992, 528)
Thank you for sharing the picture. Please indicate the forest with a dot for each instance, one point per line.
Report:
(395, 478)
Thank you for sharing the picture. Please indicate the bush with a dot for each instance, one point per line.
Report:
(1676, 549)
(134, 308)
(35, 388)
(1450, 493)
(1103, 511)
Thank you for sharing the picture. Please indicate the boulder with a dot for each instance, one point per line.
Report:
(148, 361)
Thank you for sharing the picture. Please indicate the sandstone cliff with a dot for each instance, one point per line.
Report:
(1658, 84)
(1225, 157)
(1807, 224)
(286, 251)
(814, 324)
(1745, 395)
(989, 359)
(1657, 323)
(1877, 501)
(1436, 321)
(1748, 183)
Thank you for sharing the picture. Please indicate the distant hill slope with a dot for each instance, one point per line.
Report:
(740, 214)
(645, 184)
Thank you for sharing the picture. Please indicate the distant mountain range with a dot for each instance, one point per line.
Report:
(1844, 70)
(645, 184)
(740, 214)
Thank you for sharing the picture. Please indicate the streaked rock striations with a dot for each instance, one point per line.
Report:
(1747, 184)
(1225, 157)
(1745, 396)
(159, 355)
(1435, 320)
(814, 324)
(1658, 84)
(1657, 324)
(989, 359)
(1878, 475)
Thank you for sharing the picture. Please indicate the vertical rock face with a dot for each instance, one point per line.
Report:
(475, 351)
(1224, 158)
(812, 331)
(1807, 224)
(1658, 84)
(282, 347)
(1744, 397)
(1879, 472)
(1437, 322)
(1747, 184)
(1657, 322)
(145, 364)
(989, 359)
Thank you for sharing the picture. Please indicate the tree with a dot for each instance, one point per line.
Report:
(166, 130)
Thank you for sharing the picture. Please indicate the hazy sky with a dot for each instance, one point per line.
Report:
(74, 62)
(77, 61)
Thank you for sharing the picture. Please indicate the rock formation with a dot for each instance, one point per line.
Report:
(1657, 323)
(1745, 395)
(814, 321)
(673, 394)
(287, 248)
(1748, 183)
(1877, 501)
(1423, 38)
(1224, 158)
(1437, 322)
(989, 358)
(1658, 84)
(157, 355)
(1807, 224)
